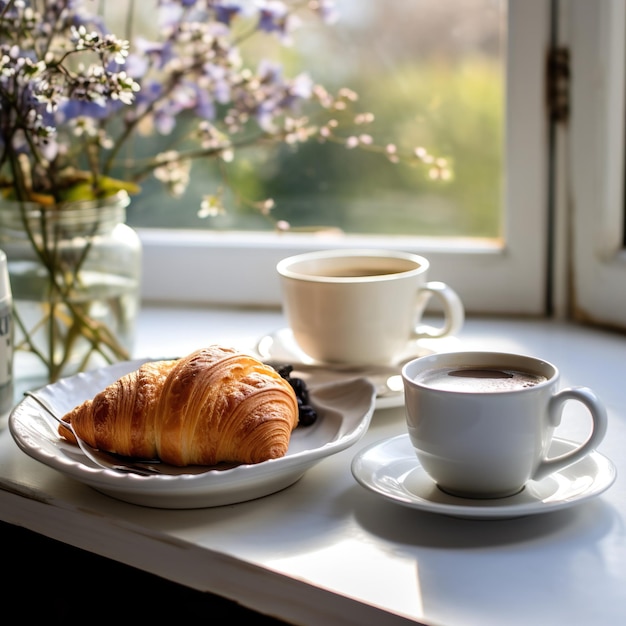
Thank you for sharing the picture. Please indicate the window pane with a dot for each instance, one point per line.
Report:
(432, 71)
(595, 184)
(504, 275)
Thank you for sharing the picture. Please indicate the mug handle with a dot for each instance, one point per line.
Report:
(598, 430)
(453, 310)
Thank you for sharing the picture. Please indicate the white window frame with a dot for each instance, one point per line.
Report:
(507, 277)
(593, 190)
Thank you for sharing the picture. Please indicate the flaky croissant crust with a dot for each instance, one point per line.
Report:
(215, 405)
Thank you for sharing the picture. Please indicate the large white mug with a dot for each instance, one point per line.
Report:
(362, 307)
(481, 423)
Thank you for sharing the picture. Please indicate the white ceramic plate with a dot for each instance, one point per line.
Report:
(344, 412)
(280, 346)
(390, 469)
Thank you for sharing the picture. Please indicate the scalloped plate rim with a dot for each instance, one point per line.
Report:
(28, 423)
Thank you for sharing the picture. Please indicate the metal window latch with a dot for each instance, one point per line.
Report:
(558, 78)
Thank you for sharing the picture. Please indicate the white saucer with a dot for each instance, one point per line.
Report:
(390, 469)
(280, 346)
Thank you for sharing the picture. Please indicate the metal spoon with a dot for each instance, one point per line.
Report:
(107, 460)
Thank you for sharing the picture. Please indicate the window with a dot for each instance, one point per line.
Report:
(432, 72)
(562, 245)
(504, 274)
(593, 144)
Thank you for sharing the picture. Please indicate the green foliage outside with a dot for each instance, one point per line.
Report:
(454, 110)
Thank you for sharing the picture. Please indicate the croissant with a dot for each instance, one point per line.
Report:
(215, 405)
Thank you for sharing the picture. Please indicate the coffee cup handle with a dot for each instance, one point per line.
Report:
(598, 431)
(453, 310)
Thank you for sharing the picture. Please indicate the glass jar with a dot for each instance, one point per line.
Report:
(75, 273)
(6, 341)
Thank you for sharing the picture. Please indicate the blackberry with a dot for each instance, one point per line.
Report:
(299, 386)
(284, 370)
(307, 414)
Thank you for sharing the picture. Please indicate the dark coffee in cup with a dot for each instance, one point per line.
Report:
(357, 272)
(478, 379)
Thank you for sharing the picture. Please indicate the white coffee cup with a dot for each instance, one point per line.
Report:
(481, 423)
(362, 307)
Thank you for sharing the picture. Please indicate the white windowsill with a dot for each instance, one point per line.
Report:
(239, 269)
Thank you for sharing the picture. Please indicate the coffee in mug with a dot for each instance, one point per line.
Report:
(481, 380)
(481, 423)
(362, 307)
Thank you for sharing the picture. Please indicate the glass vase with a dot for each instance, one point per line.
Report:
(75, 274)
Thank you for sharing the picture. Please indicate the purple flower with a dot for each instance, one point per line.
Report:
(205, 105)
(71, 109)
(225, 13)
(273, 17)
